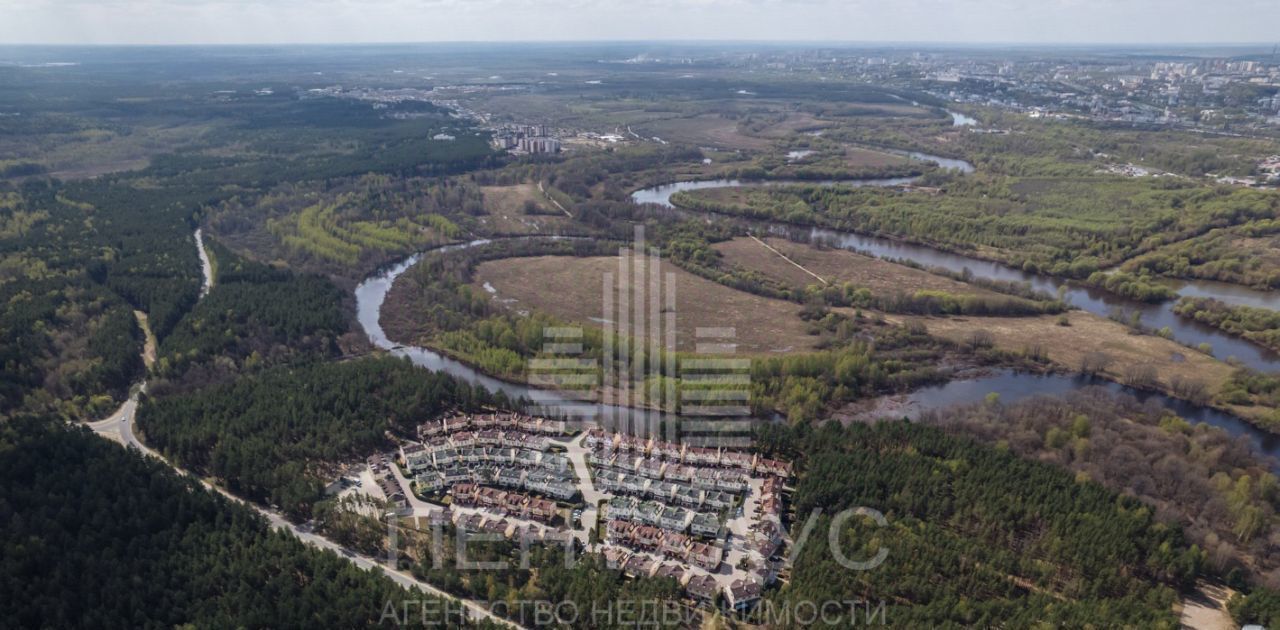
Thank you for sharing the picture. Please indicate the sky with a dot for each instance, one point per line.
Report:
(357, 21)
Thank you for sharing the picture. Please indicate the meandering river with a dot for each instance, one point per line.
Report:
(1012, 386)
(372, 293)
(1104, 303)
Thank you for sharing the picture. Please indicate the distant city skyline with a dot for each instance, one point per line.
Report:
(387, 21)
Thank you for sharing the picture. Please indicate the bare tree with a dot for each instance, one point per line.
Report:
(1094, 362)
(1142, 375)
(1191, 389)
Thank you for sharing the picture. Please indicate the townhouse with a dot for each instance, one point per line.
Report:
(674, 519)
(742, 594)
(704, 524)
(415, 456)
(773, 467)
(705, 556)
(429, 482)
(651, 467)
(717, 500)
(513, 503)
(737, 459)
(623, 507)
(669, 451)
(674, 545)
(598, 439)
(673, 571)
(702, 588)
(638, 566)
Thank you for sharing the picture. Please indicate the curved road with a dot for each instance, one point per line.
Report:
(118, 427)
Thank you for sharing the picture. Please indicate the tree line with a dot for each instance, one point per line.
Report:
(93, 535)
(277, 436)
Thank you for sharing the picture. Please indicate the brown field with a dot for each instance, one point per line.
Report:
(882, 109)
(836, 266)
(94, 152)
(795, 123)
(859, 157)
(1067, 345)
(504, 206)
(709, 130)
(570, 288)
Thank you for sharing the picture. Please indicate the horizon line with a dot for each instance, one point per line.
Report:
(775, 42)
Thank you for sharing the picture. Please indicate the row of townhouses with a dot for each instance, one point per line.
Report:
(739, 595)
(704, 477)
(766, 536)
(673, 545)
(482, 421)
(616, 482)
(480, 523)
(673, 452)
(554, 483)
(667, 517)
(418, 457)
(511, 503)
(485, 438)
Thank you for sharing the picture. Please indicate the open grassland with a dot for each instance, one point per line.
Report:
(507, 211)
(797, 122)
(570, 288)
(858, 157)
(880, 109)
(709, 130)
(1088, 335)
(835, 266)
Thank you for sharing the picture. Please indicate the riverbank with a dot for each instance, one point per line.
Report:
(1178, 370)
(1097, 301)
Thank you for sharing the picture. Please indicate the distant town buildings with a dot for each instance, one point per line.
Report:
(530, 139)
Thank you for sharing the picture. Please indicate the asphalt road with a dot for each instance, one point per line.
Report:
(118, 427)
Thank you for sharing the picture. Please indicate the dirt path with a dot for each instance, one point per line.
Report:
(553, 200)
(205, 265)
(148, 346)
(1206, 608)
(784, 257)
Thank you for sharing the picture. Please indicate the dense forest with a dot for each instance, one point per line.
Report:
(77, 256)
(1224, 496)
(586, 593)
(977, 536)
(277, 436)
(96, 536)
(77, 260)
(253, 316)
